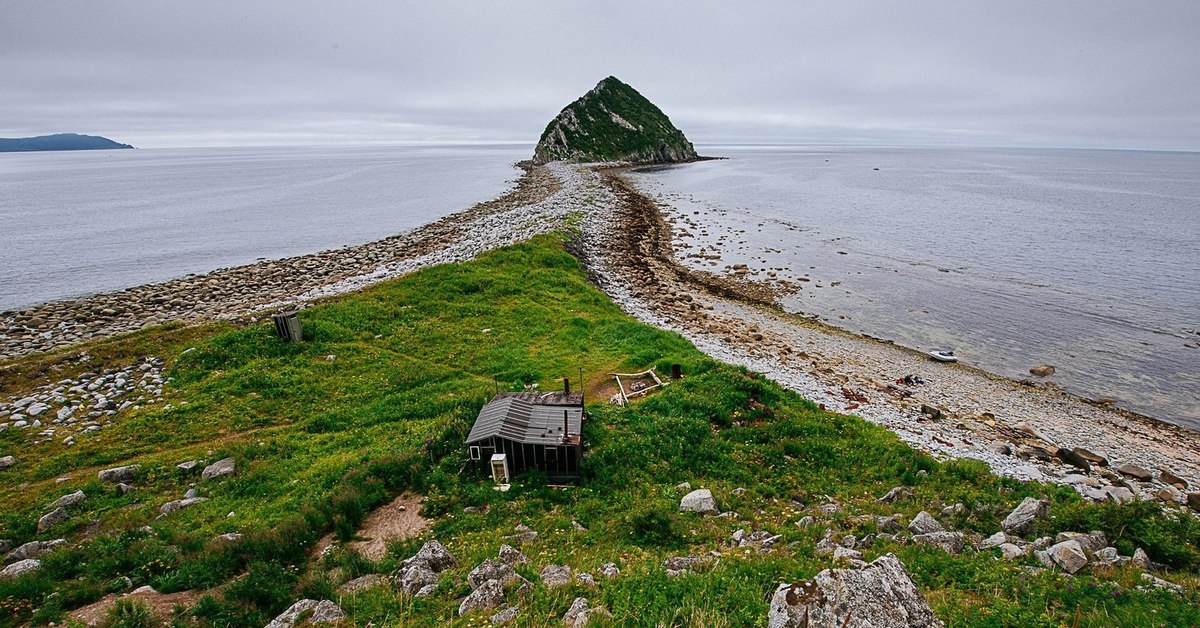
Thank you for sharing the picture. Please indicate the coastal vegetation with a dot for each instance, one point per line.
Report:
(377, 402)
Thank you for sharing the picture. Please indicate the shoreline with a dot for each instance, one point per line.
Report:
(626, 246)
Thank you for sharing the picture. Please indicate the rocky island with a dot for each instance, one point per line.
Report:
(58, 141)
(613, 122)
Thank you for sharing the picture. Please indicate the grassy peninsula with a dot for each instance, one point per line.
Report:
(377, 402)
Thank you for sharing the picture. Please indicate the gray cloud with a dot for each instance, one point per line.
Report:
(166, 73)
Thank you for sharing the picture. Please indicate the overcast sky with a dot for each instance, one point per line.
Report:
(215, 73)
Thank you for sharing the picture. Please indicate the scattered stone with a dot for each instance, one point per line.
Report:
(68, 500)
(995, 540)
(512, 555)
(191, 466)
(1159, 583)
(950, 542)
(7, 462)
(229, 537)
(364, 582)
(1167, 477)
(1011, 552)
(504, 616)
(897, 493)
(21, 567)
(323, 612)
(53, 518)
(124, 488)
(1043, 370)
(1093, 541)
(1141, 559)
(924, 523)
(1118, 494)
(578, 527)
(554, 576)
(880, 595)
(492, 569)
(585, 579)
(1091, 456)
(1135, 472)
(581, 612)
(680, 565)
(610, 570)
(683, 486)
(1020, 521)
(1193, 501)
(435, 556)
(218, 469)
(845, 554)
(489, 595)
(1107, 554)
(119, 474)
(699, 500)
(415, 577)
(524, 534)
(1069, 456)
(1068, 555)
(180, 504)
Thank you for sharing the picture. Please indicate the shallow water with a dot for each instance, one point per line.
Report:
(1085, 260)
(77, 223)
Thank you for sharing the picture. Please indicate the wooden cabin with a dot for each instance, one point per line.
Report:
(516, 432)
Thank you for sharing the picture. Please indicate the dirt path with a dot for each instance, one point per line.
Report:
(395, 521)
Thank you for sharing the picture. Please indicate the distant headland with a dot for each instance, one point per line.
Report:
(58, 141)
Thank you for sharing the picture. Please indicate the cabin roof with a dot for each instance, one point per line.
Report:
(517, 418)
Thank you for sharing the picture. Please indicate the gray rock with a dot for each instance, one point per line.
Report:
(683, 486)
(1011, 552)
(52, 518)
(68, 500)
(1193, 501)
(524, 534)
(180, 504)
(323, 612)
(897, 493)
(504, 616)
(229, 537)
(995, 540)
(1135, 472)
(700, 500)
(1118, 494)
(7, 461)
(610, 570)
(492, 569)
(512, 555)
(1092, 541)
(219, 469)
(415, 577)
(489, 595)
(20, 567)
(32, 549)
(845, 554)
(924, 523)
(581, 612)
(1068, 555)
(880, 595)
(1020, 521)
(554, 576)
(124, 488)
(950, 542)
(585, 579)
(1107, 554)
(1159, 583)
(679, 565)
(1072, 458)
(116, 475)
(435, 556)
(1141, 559)
(191, 466)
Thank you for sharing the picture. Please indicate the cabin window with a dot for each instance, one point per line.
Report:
(551, 454)
(474, 452)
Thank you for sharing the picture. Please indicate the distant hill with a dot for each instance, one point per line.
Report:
(58, 141)
(613, 122)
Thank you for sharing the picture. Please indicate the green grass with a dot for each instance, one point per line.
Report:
(320, 443)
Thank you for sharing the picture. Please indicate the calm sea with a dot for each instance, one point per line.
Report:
(1085, 260)
(76, 223)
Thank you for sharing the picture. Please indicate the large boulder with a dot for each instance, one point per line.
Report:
(21, 567)
(322, 612)
(489, 595)
(700, 500)
(492, 569)
(1020, 521)
(416, 577)
(52, 518)
(924, 523)
(1068, 555)
(68, 500)
(1135, 472)
(117, 475)
(880, 595)
(219, 469)
(436, 556)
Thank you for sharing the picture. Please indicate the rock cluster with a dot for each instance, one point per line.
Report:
(311, 611)
(879, 595)
(71, 408)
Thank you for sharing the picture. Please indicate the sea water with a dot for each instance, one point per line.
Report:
(83, 222)
(1085, 260)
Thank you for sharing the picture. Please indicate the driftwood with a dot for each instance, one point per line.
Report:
(658, 383)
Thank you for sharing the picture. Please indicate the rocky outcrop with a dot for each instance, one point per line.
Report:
(880, 595)
(613, 122)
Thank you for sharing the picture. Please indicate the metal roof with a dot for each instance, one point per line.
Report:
(523, 421)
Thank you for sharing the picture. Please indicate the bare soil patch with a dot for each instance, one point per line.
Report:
(395, 521)
(161, 605)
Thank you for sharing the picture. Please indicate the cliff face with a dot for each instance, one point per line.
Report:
(613, 122)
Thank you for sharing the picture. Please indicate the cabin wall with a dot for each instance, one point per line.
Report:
(522, 457)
